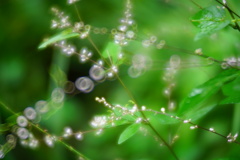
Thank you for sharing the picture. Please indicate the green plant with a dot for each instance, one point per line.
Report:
(121, 63)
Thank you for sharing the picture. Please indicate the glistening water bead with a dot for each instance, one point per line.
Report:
(41, 106)
(135, 72)
(22, 133)
(22, 121)
(58, 95)
(97, 73)
(84, 84)
(30, 113)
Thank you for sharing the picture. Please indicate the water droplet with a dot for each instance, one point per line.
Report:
(22, 121)
(175, 61)
(30, 113)
(41, 106)
(84, 84)
(58, 95)
(224, 65)
(69, 87)
(130, 34)
(79, 136)
(135, 72)
(33, 143)
(67, 132)
(97, 73)
(49, 140)
(22, 133)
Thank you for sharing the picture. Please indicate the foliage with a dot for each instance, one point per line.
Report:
(129, 81)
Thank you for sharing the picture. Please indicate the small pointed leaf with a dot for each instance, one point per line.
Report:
(209, 20)
(129, 132)
(111, 52)
(66, 34)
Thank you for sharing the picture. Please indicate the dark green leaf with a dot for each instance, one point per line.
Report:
(66, 34)
(128, 132)
(204, 92)
(209, 20)
(4, 127)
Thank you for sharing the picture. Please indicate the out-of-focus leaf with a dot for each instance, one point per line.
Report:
(160, 118)
(128, 132)
(119, 113)
(58, 76)
(202, 93)
(4, 127)
(111, 52)
(232, 91)
(231, 100)
(209, 20)
(232, 88)
(66, 34)
(194, 115)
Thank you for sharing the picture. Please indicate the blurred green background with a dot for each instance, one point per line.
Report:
(25, 78)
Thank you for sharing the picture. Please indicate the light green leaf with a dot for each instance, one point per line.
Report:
(199, 95)
(66, 34)
(119, 113)
(111, 52)
(209, 20)
(58, 76)
(128, 132)
(160, 118)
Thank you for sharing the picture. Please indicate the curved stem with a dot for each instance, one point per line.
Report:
(70, 148)
(145, 118)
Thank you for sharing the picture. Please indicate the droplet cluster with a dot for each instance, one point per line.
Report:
(140, 64)
(61, 21)
(124, 31)
(84, 84)
(231, 62)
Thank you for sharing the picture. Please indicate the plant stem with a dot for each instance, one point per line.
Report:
(145, 118)
(236, 119)
(70, 148)
(232, 13)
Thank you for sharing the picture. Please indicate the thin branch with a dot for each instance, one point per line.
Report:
(70, 148)
(196, 4)
(232, 13)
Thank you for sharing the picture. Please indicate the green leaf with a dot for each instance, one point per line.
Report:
(129, 132)
(199, 95)
(58, 76)
(232, 88)
(4, 127)
(66, 34)
(194, 115)
(231, 100)
(111, 52)
(232, 91)
(119, 113)
(160, 118)
(209, 20)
